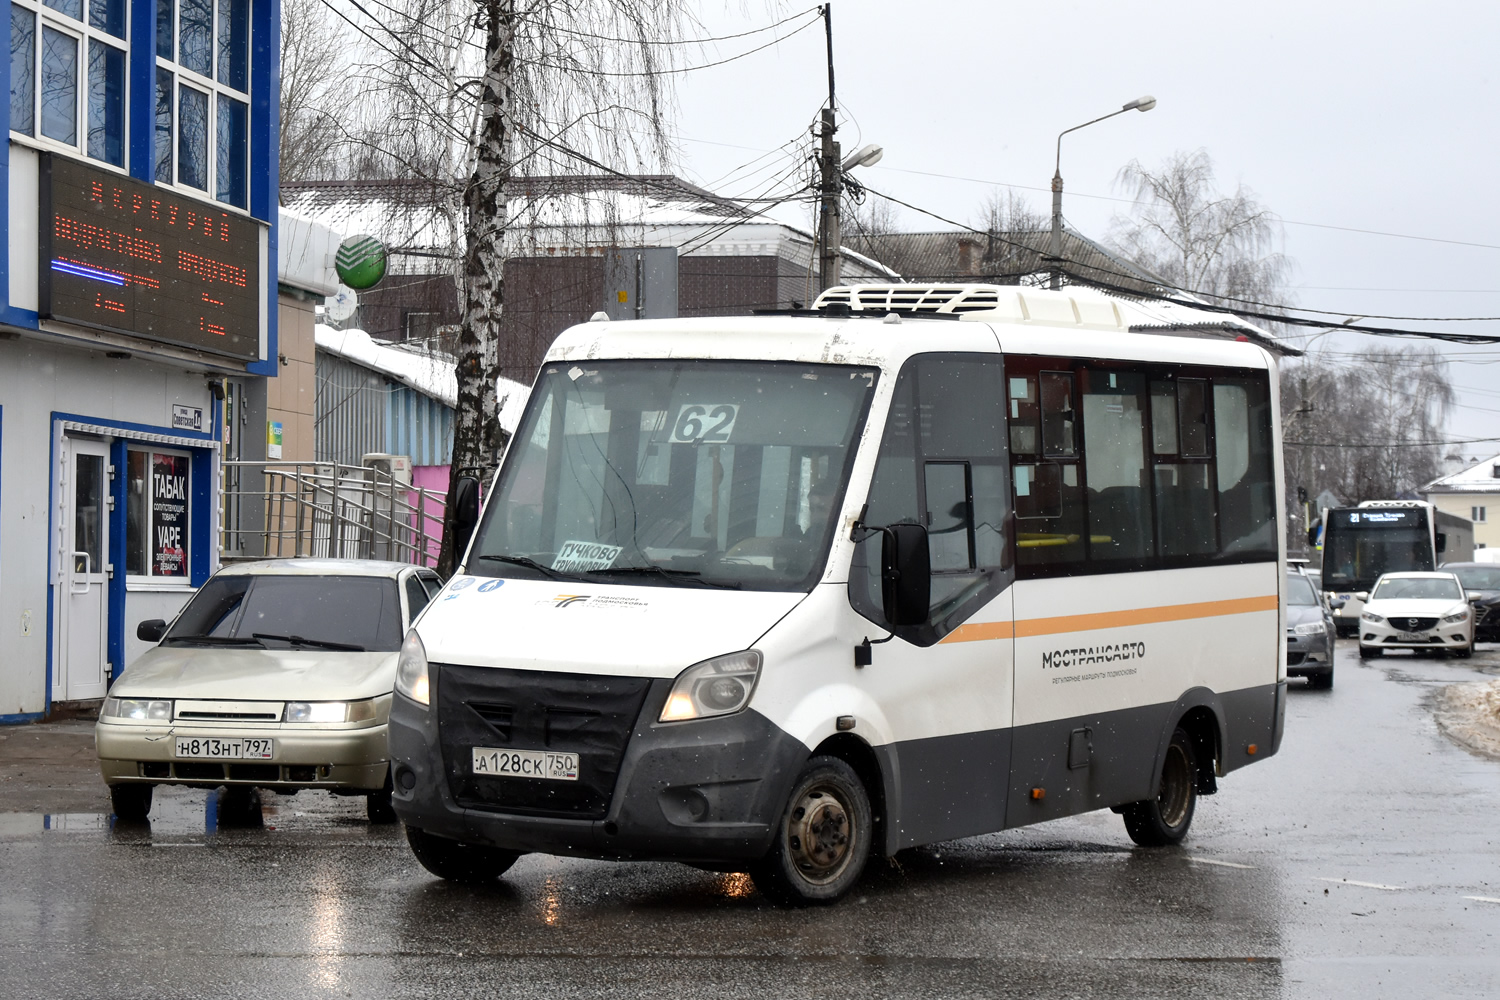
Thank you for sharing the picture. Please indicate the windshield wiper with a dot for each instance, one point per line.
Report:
(671, 574)
(526, 561)
(297, 640)
(216, 640)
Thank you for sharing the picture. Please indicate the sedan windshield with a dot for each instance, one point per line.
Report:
(1477, 577)
(1417, 589)
(1299, 591)
(676, 473)
(297, 612)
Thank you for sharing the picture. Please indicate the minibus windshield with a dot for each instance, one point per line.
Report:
(676, 473)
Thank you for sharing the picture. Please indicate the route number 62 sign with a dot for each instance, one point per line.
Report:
(704, 423)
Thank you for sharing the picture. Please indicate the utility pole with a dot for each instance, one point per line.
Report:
(831, 182)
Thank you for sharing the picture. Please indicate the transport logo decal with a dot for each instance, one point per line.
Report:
(1086, 656)
(489, 585)
(596, 602)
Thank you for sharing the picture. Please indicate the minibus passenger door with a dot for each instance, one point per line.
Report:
(944, 680)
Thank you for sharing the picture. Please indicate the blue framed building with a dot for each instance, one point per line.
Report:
(138, 291)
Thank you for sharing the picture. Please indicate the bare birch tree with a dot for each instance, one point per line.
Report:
(1184, 229)
(474, 95)
(316, 89)
(1365, 428)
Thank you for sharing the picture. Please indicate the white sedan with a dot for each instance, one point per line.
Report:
(276, 674)
(1423, 612)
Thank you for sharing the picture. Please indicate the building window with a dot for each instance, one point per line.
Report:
(1477, 514)
(67, 75)
(158, 511)
(203, 97)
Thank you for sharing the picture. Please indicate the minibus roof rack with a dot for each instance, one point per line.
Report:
(841, 309)
(1074, 307)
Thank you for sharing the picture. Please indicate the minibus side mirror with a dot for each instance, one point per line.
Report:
(465, 513)
(1442, 542)
(1336, 604)
(906, 574)
(151, 630)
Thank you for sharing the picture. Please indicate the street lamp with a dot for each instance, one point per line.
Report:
(1139, 104)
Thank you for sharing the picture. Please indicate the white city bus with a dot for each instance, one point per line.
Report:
(773, 594)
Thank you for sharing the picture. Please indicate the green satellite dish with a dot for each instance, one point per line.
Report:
(360, 262)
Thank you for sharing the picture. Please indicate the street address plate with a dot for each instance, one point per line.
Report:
(214, 748)
(526, 764)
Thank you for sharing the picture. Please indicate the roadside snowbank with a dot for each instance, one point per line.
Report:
(1470, 715)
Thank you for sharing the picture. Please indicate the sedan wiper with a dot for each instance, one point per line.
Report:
(526, 561)
(215, 640)
(297, 640)
(671, 574)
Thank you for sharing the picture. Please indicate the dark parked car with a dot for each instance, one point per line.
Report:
(1483, 578)
(1309, 633)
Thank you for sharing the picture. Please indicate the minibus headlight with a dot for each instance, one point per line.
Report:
(411, 669)
(720, 686)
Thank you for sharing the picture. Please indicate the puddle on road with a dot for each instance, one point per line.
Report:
(202, 815)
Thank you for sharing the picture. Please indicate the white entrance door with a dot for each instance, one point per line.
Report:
(83, 671)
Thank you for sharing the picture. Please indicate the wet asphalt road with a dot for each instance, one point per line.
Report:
(1344, 866)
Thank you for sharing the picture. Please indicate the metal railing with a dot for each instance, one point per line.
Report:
(327, 510)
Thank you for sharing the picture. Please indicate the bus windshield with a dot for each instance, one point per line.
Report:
(676, 473)
(1360, 545)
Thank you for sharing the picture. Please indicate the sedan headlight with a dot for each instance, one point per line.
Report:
(330, 711)
(1462, 616)
(411, 669)
(720, 686)
(1373, 618)
(139, 709)
(1310, 628)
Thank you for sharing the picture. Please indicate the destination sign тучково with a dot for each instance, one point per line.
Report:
(136, 259)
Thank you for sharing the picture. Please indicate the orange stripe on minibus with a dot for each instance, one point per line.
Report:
(979, 631)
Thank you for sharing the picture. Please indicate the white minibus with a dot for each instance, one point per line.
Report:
(773, 594)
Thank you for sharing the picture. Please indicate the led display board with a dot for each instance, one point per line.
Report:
(121, 255)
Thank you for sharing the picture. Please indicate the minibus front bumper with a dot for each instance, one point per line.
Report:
(708, 791)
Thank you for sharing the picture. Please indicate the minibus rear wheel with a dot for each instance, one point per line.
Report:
(822, 840)
(459, 862)
(1165, 819)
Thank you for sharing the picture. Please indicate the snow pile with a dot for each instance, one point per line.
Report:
(1470, 714)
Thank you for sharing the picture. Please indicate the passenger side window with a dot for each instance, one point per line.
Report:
(1184, 488)
(942, 464)
(416, 597)
(1114, 455)
(1156, 466)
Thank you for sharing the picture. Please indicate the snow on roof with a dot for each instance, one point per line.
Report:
(1478, 478)
(433, 375)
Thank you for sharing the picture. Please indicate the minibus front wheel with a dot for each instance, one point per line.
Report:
(822, 840)
(1165, 819)
(459, 862)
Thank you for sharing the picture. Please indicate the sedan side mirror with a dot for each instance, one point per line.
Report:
(465, 513)
(905, 574)
(151, 630)
(1362, 596)
(1473, 596)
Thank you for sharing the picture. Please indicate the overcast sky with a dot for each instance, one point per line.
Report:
(1369, 116)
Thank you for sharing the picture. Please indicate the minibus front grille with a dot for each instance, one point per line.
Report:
(585, 714)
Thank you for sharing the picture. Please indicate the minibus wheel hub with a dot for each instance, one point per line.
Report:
(819, 834)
